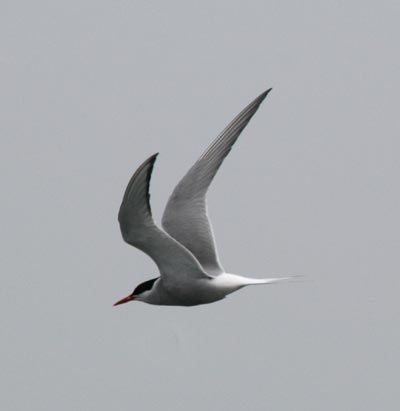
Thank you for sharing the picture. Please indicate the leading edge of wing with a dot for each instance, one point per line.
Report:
(138, 229)
(222, 145)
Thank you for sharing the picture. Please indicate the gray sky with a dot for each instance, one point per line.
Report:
(89, 89)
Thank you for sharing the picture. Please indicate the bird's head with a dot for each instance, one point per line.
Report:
(140, 293)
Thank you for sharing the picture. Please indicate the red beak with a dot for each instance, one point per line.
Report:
(125, 300)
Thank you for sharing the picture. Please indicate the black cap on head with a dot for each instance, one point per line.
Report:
(146, 286)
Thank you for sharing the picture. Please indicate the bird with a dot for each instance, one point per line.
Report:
(184, 249)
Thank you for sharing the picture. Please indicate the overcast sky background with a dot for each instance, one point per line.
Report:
(89, 89)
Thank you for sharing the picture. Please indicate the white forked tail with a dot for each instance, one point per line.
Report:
(237, 281)
(255, 281)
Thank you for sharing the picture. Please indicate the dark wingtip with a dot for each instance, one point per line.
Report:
(255, 104)
(264, 94)
(153, 157)
(149, 164)
(258, 100)
(151, 160)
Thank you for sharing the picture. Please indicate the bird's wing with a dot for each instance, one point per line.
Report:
(174, 261)
(185, 217)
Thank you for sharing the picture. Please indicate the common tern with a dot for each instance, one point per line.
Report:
(184, 250)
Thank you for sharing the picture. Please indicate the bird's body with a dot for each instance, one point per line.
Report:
(199, 291)
(185, 251)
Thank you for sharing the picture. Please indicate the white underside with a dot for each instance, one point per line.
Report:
(201, 291)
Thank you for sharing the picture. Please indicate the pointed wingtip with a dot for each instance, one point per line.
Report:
(147, 168)
(153, 157)
(258, 100)
(264, 94)
(150, 162)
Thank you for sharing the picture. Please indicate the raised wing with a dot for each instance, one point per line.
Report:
(174, 261)
(185, 217)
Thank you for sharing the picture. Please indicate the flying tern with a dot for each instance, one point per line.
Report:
(184, 250)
